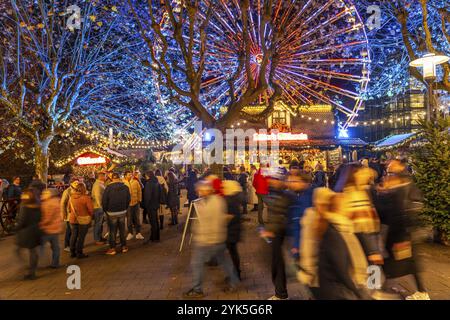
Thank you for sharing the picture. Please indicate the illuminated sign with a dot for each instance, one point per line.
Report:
(281, 136)
(83, 161)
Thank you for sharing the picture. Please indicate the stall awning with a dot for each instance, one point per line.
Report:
(394, 141)
(352, 142)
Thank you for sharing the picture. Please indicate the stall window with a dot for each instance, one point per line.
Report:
(279, 117)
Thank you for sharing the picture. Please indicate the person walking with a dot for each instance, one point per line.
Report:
(395, 199)
(163, 197)
(152, 201)
(51, 223)
(172, 197)
(342, 267)
(210, 233)
(133, 210)
(232, 191)
(80, 216)
(243, 181)
(97, 194)
(65, 211)
(252, 197)
(115, 203)
(278, 202)
(28, 233)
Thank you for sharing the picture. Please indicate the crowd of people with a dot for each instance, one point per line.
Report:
(335, 226)
(115, 200)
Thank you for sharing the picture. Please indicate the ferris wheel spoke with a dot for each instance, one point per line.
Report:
(328, 49)
(319, 72)
(336, 89)
(290, 86)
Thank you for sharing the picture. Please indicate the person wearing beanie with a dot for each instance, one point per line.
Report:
(65, 211)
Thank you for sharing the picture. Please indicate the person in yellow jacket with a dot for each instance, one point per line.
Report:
(133, 210)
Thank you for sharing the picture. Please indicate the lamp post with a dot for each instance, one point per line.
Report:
(429, 62)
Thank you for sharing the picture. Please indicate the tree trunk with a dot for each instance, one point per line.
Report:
(41, 148)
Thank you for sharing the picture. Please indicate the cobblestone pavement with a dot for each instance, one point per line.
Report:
(160, 271)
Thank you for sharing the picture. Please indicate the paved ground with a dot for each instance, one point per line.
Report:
(159, 271)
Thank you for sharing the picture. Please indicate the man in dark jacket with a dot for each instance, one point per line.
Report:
(191, 180)
(14, 191)
(243, 179)
(152, 201)
(278, 202)
(115, 203)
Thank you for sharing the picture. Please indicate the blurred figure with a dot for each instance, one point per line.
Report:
(37, 186)
(191, 181)
(337, 174)
(227, 175)
(98, 189)
(65, 211)
(232, 192)
(28, 233)
(152, 200)
(320, 177)
(210, 234)
(115, 202)
(342, 261)
(80, 212)
(133, 221)
(281, 168)
(301, 193)
(50, 181)
(357, 204)
(278, 202)
(262, 190)
(51, 223)
(395, 197)
(4, 184)
(252, 197)
(163, 197)
(313, 226)
(243, 181)
(173, 200)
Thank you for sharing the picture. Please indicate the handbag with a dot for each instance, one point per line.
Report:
(82, 220)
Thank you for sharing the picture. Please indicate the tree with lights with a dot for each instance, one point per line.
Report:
(66, 65)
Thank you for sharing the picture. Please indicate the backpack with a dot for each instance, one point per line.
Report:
(163, 194)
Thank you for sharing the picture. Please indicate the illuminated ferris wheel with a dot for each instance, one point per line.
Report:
(323, 54)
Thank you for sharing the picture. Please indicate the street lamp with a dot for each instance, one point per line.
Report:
(429, 62)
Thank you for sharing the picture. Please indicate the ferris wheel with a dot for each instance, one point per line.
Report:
(323, 54)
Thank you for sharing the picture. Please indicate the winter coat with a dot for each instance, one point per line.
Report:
(342, 263)
(233, 196)
(152, 194)
(51, 221)
(393, 204)
(299, 203)
(320, 179)
(228, 176)
(116, 197)
(260, 183)
(211, 226)
(243, 181)
(191, 180)
(13, 192)
(252, 197)
(163, 191)
(98, 189)
(135, 191)
(278, 202)
(65, 203)
(28, 232)
(172, 196)
(79, 205)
